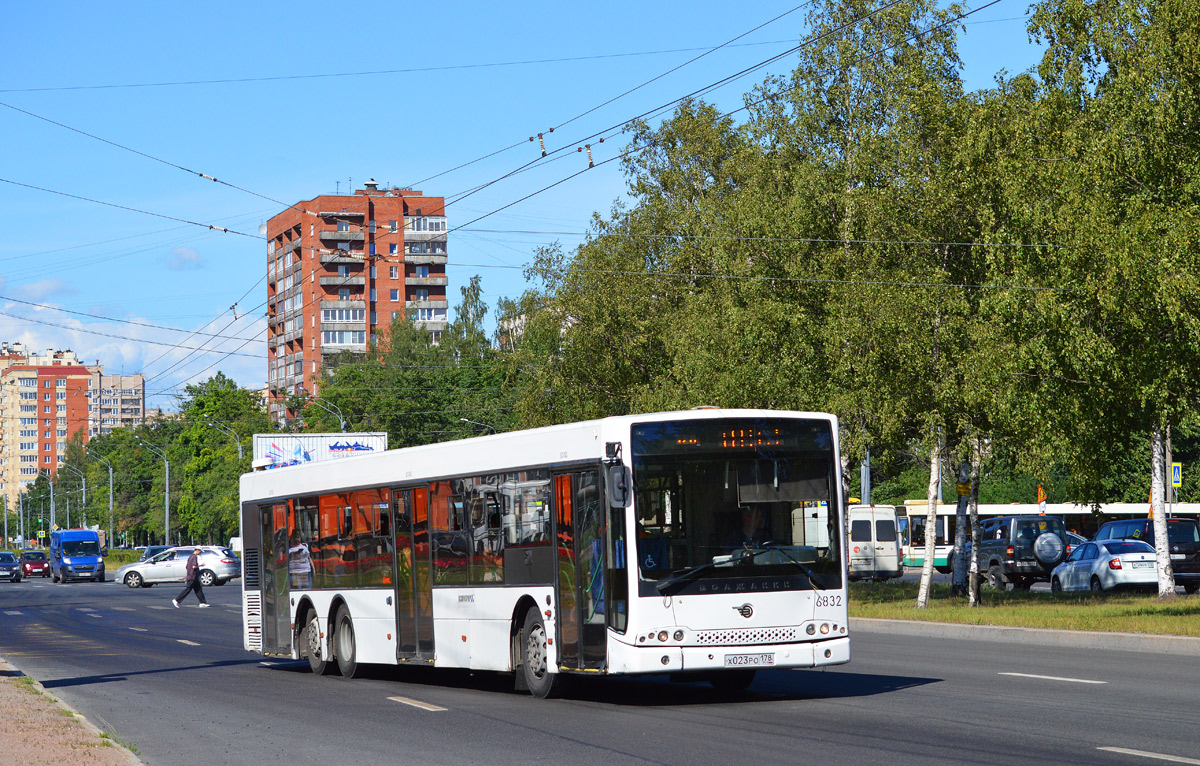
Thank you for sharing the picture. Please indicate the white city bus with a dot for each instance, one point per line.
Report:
(679, 542)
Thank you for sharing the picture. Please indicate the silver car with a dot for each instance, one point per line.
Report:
(218, 566)
(1105, 565)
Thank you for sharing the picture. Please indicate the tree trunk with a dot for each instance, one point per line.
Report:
(935, 470)
(973, 579)
(1158, 485)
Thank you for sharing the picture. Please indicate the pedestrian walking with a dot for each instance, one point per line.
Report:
(193, 581)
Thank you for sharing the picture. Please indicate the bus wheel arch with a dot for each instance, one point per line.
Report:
(516, 633)
(311, 642)
(537, 668)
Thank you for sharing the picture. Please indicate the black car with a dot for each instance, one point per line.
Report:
(1183, 544)
(10, 567)
(1020, 549)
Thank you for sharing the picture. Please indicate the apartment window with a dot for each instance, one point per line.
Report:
(422, 272)
(29, 395)
(344, 337)
(371, 248)
(31, 471)
(343, 293)
(343, 226)
(62, 421)
(62, 433)
(394, 272)
(372, 293)
(46, 384)
(49, 434)
(374, 319)
(421, 295)
(343, 271)
(29, 458)
(28, 445)
(29, 433)
(344, 247)
(372, 268)
(46, 410)
(62, 409)
(30, 408)
(27, 382)
(371, 227)
(394, 295)
(61, 395)
(392, 225)
(60, 382)
(392, 248)
(48, 459)
(46, 397)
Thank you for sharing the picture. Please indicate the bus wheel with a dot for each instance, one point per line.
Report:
(535, 654)
(314, 646)
(344, 645)
(731, 681)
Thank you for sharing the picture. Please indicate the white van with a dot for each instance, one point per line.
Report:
(874, 547)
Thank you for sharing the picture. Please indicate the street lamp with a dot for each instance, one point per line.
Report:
(84, 478)
(166, 490)
(475, 423)
(226, 430)
(110, 489)
(326, 405)
(50, 479)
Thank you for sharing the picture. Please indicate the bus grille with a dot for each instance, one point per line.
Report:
(252, 617)
(746, 637)
(251, 573)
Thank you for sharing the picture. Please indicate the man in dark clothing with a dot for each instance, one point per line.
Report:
(193, 581)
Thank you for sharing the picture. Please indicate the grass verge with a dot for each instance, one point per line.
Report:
(1106, 612)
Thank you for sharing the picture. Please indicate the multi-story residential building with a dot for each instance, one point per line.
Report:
(41, 407)
(118, 401)
(47, 398)
(340, 270)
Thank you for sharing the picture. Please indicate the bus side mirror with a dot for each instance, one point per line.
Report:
(618, 486)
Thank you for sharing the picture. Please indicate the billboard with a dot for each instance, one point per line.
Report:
(280, 450)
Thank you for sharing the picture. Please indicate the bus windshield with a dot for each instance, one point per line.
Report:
(732, 504)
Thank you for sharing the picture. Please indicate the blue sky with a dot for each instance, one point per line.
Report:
(285, 101)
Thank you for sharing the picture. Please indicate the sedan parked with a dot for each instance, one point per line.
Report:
(1105, 565)
(217, 566)
(34, 562)
(10, 568)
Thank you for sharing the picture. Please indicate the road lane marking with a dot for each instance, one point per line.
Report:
(1054, 678)
(1145, 754)
(9, 612)
(417, 704)
(155, 606)
(185, 641)
(140, 630)
(97, 616)
(122, 609)
(85, 609)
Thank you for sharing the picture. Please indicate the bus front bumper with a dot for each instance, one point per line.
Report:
(683, 659)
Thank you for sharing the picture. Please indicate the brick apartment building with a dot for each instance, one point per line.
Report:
(45, 399)
(340, 269)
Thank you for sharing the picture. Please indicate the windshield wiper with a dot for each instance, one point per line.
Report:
(746, 556)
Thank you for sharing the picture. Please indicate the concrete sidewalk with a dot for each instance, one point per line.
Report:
(1080, 639)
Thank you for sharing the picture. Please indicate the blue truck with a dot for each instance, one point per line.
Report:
(76, 554)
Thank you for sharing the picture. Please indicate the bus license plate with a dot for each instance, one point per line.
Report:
(749, 660)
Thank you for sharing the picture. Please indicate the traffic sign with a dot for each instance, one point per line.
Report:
(1176, 474)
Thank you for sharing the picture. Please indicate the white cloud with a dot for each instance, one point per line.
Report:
(45, 288)
(185, 259)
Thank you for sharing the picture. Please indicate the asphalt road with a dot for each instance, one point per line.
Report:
(176, 684)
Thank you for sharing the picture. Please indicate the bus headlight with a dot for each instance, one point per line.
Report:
(824, 628)
(662, 635)
(679, 635)
(811, 629)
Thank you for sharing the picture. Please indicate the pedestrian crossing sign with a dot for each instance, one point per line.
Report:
(1176, 474)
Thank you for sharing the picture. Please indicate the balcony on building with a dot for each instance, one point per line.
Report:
(352, 304)
(425, 281)
(291, 246)
(341, 214)
(336, 281)
(342, 236)
(434, 303)
(424, 236)
(342, 256)
(424, 258)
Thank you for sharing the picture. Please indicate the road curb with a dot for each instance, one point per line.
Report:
(8, 669)
(1077, 639)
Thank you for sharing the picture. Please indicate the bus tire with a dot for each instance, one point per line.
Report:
(535, 657)
(344, 649)
(314, 646)
(733, 681)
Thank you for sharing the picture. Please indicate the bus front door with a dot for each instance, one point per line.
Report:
(579, 535)
(414, 591)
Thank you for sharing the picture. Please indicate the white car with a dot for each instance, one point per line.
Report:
(217, 566)
(1105, 565)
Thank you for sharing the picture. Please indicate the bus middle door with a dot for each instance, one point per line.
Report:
(414, 588)
(579, 535)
